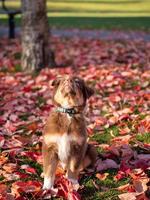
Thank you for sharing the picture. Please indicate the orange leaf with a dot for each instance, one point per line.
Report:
(102, 176)
(123, 187)
(59, 171)
(3, 188)
(32, 127)
(10, 167)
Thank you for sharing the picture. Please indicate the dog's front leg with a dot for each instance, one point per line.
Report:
(74, 166)
(50, 161)
(72, 175)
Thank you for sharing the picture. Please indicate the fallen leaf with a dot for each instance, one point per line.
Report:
(2, 141)
(123, 187)
(106, 164)
(102, 176)
(27, 187)
(127, 196)
(140, 185)
(10, 167)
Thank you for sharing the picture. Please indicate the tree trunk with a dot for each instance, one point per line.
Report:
(36, 53)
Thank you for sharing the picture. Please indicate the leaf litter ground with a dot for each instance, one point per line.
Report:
(118, 119)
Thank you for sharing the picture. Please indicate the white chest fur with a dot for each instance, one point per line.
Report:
(63, 143)
(64, 147)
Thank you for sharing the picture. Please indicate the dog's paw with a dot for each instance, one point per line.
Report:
(48, 183)
(64, 166)
(75, 183)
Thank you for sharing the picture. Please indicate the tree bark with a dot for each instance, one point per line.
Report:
(36, 53)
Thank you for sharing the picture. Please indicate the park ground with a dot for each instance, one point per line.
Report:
(118, 118)
(118, 114)
(94, 14)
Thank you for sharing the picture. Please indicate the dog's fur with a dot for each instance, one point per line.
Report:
(65, 136)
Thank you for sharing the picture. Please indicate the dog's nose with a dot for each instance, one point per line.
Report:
(72, 92)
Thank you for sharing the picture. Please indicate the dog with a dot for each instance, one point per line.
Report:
(65, 135)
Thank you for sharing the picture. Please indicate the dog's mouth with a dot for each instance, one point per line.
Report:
(69, 94)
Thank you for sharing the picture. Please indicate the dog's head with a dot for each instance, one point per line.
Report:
(70, 91)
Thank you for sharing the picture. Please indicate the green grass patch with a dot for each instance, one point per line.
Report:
(145, 137)
(17, 55)
(93, 14)
(24, 116)
(134, 83)
(18, 68)
(100, 150)
(106, 188)
(136, 110)
(107, 23)
(1, 178)
(112, 194)
(106, 136)
(89, 192)
(98, 8)
(142, 116)
(109, 182)
(40, 101)
(35, 165)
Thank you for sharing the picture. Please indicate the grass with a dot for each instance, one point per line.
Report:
(94, 14)
(98, 8)
(107, 135)
(106, 189)
(145, 137)
(35, 165)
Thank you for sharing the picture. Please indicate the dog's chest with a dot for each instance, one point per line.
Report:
(64, 144)
(64, 147)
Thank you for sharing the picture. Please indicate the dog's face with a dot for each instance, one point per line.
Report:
(71, 91)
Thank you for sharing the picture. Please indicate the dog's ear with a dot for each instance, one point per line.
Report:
(88, 92)
(56, 82)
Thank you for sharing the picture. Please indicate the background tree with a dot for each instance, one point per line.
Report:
(36, 53)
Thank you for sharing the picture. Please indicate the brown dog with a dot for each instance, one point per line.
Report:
(65, 136)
